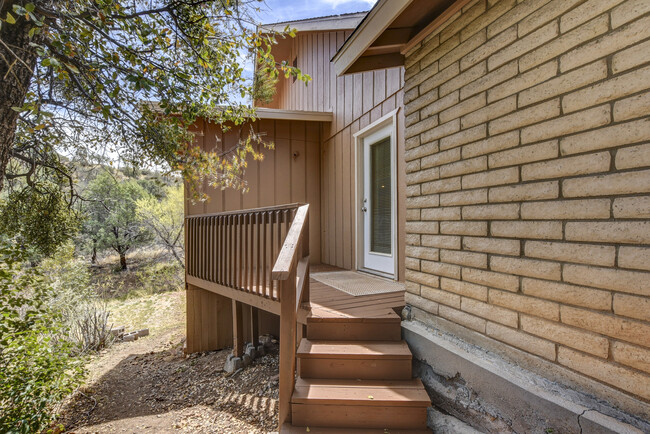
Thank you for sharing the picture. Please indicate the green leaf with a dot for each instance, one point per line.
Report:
(30, 7)
(72, 68)
(10, 19)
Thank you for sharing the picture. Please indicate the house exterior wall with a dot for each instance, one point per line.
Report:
(356, 100)
(527, 155)
(289, 173)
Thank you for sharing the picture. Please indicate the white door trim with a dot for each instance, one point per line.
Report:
(387, 121)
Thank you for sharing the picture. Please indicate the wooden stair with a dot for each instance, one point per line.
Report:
(355, 377)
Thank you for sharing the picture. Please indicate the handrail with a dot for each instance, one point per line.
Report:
(248, 211)
(287, 257)
(291, 270)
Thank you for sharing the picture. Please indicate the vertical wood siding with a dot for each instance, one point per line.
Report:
(356, 101)
(289, 173)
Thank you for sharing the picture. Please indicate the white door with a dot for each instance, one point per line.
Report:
(378, 202)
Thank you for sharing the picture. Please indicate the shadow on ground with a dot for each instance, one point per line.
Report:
(164, 391)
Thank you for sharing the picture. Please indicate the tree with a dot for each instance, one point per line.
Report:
(112, 221)
(76, 76)
(165, 218)
(37, 218)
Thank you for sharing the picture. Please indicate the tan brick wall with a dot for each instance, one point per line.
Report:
(529, 182)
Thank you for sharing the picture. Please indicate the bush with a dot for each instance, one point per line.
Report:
(36, 368)
(84, 315)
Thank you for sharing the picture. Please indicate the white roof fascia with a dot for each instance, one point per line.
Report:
(346, 22)
(378, 20)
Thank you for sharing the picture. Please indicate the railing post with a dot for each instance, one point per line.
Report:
(255, 326)
(287, 346)
(305, 253)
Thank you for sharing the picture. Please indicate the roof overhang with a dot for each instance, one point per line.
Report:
(390, 30)
(293, 115)
(321, 24)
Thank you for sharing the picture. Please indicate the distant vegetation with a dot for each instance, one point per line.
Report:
(58, 271)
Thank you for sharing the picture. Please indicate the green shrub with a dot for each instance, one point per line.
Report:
(36, 368)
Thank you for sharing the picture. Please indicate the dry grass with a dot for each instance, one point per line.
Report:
(150, 271)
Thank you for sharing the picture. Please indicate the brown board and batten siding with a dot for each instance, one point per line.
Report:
(528, 152)
(289, 173)
(356, 100)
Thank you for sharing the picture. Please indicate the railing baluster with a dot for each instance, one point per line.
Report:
(264, 254)
(202, 247)
(227, 268)
(215, 243)
(222, 242)
(258, 221)
(240, 250)
(210, 251)
(278, 215)
(271, 252)
(189, 245)
(249, 251)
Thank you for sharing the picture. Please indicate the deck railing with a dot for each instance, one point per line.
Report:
(238, 249)
(265, 253)
(291, 270)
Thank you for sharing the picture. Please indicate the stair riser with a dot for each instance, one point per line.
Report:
(368, 369)
(354, 331)
(358, 416)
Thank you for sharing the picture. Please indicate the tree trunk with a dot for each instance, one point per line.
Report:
(122, 261)
(93, 259)
(15, 77)
(176, 256)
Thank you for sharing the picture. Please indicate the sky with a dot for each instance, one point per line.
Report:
(289, 10)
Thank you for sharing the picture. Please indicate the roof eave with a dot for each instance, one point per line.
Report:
(377, 20)
(329, 23)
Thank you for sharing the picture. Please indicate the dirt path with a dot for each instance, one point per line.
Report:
(150, 386)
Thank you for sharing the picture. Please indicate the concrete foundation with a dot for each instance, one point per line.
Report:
(494, 393)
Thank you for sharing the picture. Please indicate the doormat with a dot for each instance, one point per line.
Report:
(357, 284)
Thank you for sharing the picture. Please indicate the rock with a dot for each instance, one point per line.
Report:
(260, 350)
(266, 340)
(117, 331)
(133, 336)
(233, 363)
(247, 360)
(142, 333)
(251, 352)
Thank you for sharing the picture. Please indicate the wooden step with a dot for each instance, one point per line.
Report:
(367, 360)
(383, 328)
(360, 404)
(288, 428)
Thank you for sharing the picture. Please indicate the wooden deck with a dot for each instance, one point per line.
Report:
(331, 303)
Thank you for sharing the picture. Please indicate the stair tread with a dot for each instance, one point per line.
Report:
(326, 314)
(290, 429)
(353, 349)
(403, 393)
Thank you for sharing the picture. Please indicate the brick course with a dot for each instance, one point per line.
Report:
(530, 144)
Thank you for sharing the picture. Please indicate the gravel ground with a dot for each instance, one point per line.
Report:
(150, 386)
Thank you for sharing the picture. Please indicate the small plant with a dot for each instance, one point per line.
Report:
(36, 368)
(85, 317)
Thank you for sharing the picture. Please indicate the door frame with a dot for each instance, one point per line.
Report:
(389, 120)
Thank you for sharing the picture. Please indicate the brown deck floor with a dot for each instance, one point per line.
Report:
(328, 302)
